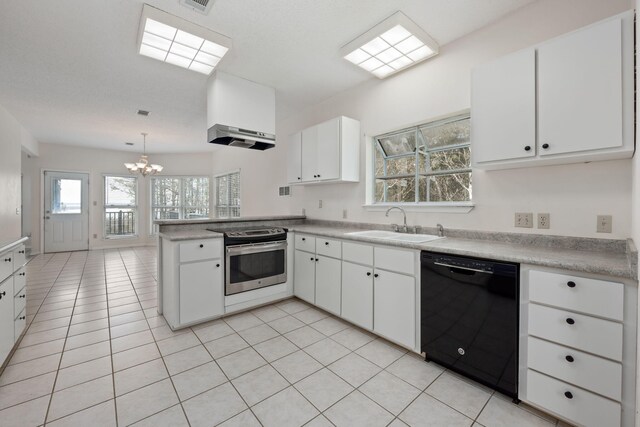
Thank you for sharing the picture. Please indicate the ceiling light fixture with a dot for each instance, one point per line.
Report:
(171, 39)
(142, 166)
(391, 46)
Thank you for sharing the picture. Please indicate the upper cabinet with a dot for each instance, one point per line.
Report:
(568, 100)
(325, 153)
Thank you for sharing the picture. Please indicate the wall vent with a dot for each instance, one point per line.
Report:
(202, 6)
(285, 191)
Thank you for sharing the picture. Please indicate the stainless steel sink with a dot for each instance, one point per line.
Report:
(398, 237)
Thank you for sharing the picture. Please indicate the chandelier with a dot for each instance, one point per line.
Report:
(142, 166)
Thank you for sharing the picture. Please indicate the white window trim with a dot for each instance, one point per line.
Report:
(215, 191)
(105, 207)
(442, 207)
(152, 233)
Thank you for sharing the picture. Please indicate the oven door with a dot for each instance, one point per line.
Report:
(254, 266)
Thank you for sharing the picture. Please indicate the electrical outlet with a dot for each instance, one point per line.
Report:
(344, 214)
(544, 221)
(524, 219)
(320, 204)
(605, 223)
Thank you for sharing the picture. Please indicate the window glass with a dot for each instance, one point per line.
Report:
(429, 163)
(66, 196)
(228, 195)
(120, 206)
(179, 198)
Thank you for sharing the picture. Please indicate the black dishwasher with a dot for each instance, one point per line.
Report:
(470, 317)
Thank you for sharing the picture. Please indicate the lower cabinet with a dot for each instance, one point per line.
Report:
(395, 307)
(200, 289)
(357, 294)
(328, 283)
(7, 331)
(304, 276)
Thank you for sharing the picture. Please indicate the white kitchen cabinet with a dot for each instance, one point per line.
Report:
(329, 153)
(304, 276)
(567, 100)
(394, 310)
(357, 294)
(192, 281)
(503, 100)
(328, 283)
(294, 169)
(7, 333)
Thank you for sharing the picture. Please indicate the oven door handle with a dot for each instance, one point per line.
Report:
(255, 247)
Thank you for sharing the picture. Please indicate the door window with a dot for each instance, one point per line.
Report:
(66, 196)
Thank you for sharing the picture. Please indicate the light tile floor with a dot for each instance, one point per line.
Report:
(97, 353)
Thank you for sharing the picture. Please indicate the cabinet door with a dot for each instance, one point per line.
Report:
(357, 294)
(503, 108)
(201, 293)
(304, 276)
(6, 265)
(329, 149)
(580, 90)
(310, 154)
(294, 158)
(6, 318)
(328, 283)
(394, 311)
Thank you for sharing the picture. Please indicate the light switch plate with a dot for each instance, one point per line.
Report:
(605, 223)
(524, 220)
(544, 221)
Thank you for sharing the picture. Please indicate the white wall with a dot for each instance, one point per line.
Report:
(572, 194)
(12, 138)
(97, 163)
(635, 194)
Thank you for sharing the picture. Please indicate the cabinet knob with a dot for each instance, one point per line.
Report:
(202, 246)
(570, 321)
(22, 274)
(217, 265)
(318, 175)
(571, 284)
(568, 395)
(299, 178)
(545, 146)
(375, 275)
(7, 260)
(569, 358)
(312, 258)
(326, 243)
(22, 318)
(527, 148)
(304, 239)
(368, 273)
(317, 259)
(3, 294)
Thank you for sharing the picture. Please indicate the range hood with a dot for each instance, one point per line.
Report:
(240, 113)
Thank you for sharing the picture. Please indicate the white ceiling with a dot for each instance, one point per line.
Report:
(70, 73)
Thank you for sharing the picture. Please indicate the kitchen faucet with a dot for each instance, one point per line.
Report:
(404, 228)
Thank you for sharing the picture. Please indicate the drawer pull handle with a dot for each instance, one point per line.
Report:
(22, 318)
(3, 294)
(22, 296)
(568, 395)
(368, 273)
(202, 246)
(375, 275)
(20, 252)
(217, 265)
(569, 358)
(22, 274)
(570, 321)
(7, 260)
(571, 284)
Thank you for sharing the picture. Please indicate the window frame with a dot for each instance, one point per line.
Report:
(215, 201)
(181, 206)
(375, 149)
(135, 208)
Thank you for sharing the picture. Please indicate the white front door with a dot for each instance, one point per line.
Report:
(66, 211)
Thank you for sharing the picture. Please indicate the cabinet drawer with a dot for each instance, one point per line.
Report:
(597, 336)
(19, 302)
(305, 243)
(583, 407)
(6, 265)
(357, 252)
(597, 297)
(19, 324)
(19, 281)
(591, 372)
(329, 247)
(395, 260)
(200, 249)
(19, 257)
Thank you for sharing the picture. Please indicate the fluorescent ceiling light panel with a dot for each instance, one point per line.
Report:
(391, 46)
(176, 41)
